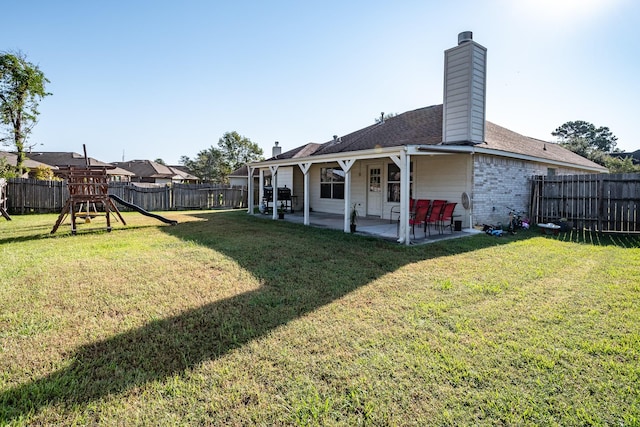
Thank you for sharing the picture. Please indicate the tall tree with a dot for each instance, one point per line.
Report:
(215, 164)
(236, 151)
(582, 132)
(205, 165)
(22, 87)
(588, 141)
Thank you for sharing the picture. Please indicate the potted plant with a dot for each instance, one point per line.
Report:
(354, 218)
(281, 211)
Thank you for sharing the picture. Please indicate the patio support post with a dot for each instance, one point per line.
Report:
(250, 190)
(304, 167)
(274, 186)
(346, 167)
(261, 185)
(404, 163)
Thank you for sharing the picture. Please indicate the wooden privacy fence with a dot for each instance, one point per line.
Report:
(37, 196)
(26, 195)
(3, 198)
(202, 196)
(600, 202)
(149, 198)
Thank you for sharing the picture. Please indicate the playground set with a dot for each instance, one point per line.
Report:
(3, 199)
(89, 186)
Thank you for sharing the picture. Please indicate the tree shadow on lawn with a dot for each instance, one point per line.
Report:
(301, 268)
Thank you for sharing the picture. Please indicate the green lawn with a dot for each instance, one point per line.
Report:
(227, 319)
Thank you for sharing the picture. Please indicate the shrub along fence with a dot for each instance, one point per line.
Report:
(601, 202)
(37, 196)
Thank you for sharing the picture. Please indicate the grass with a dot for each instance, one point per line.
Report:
(227, 319)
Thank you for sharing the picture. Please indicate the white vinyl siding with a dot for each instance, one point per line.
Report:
(285, 176)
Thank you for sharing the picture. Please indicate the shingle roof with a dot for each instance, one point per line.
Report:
(424, 127)
(64, 158)
(183, 172)
(55, 159)
(299, 152)
(146, 169)
(502, 139)
(635, 156)
(243, 172)
(12, 159)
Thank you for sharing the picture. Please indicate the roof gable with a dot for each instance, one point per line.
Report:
(147, 169)
(183, 173)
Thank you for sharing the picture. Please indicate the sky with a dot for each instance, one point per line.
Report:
(149, 79)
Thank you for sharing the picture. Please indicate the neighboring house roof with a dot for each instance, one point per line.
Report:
(242, 172)
(423, 127)
(635, 156)
(64, 158)
(12, 159)
(148, 169)
(58, 159)
(184, 173)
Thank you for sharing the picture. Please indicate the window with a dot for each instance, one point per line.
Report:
(393, 182)
(375, 180)
(331, 183)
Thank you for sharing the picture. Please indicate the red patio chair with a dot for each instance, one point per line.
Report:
(421, 203)
(447, 216)
(419, 218)
(434, 215)
(396, 210)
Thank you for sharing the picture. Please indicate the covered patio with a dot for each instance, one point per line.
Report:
(375, 227)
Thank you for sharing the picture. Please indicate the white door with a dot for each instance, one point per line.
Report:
(374, 190)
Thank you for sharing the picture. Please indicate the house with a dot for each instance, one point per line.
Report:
(239, 177)
(148, 171)
(447, 151)
(185, 174)
(12, 159)
(62, 159)
(635, 156)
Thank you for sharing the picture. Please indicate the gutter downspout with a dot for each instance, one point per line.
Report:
(473, 186)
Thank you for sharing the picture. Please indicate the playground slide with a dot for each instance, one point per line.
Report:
(142, 211)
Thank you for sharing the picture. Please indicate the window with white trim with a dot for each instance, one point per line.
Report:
(393, 182)
(331, 183)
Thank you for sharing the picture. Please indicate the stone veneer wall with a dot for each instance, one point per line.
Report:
(499, 183)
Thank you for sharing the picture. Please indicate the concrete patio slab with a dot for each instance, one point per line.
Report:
(375, 227)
